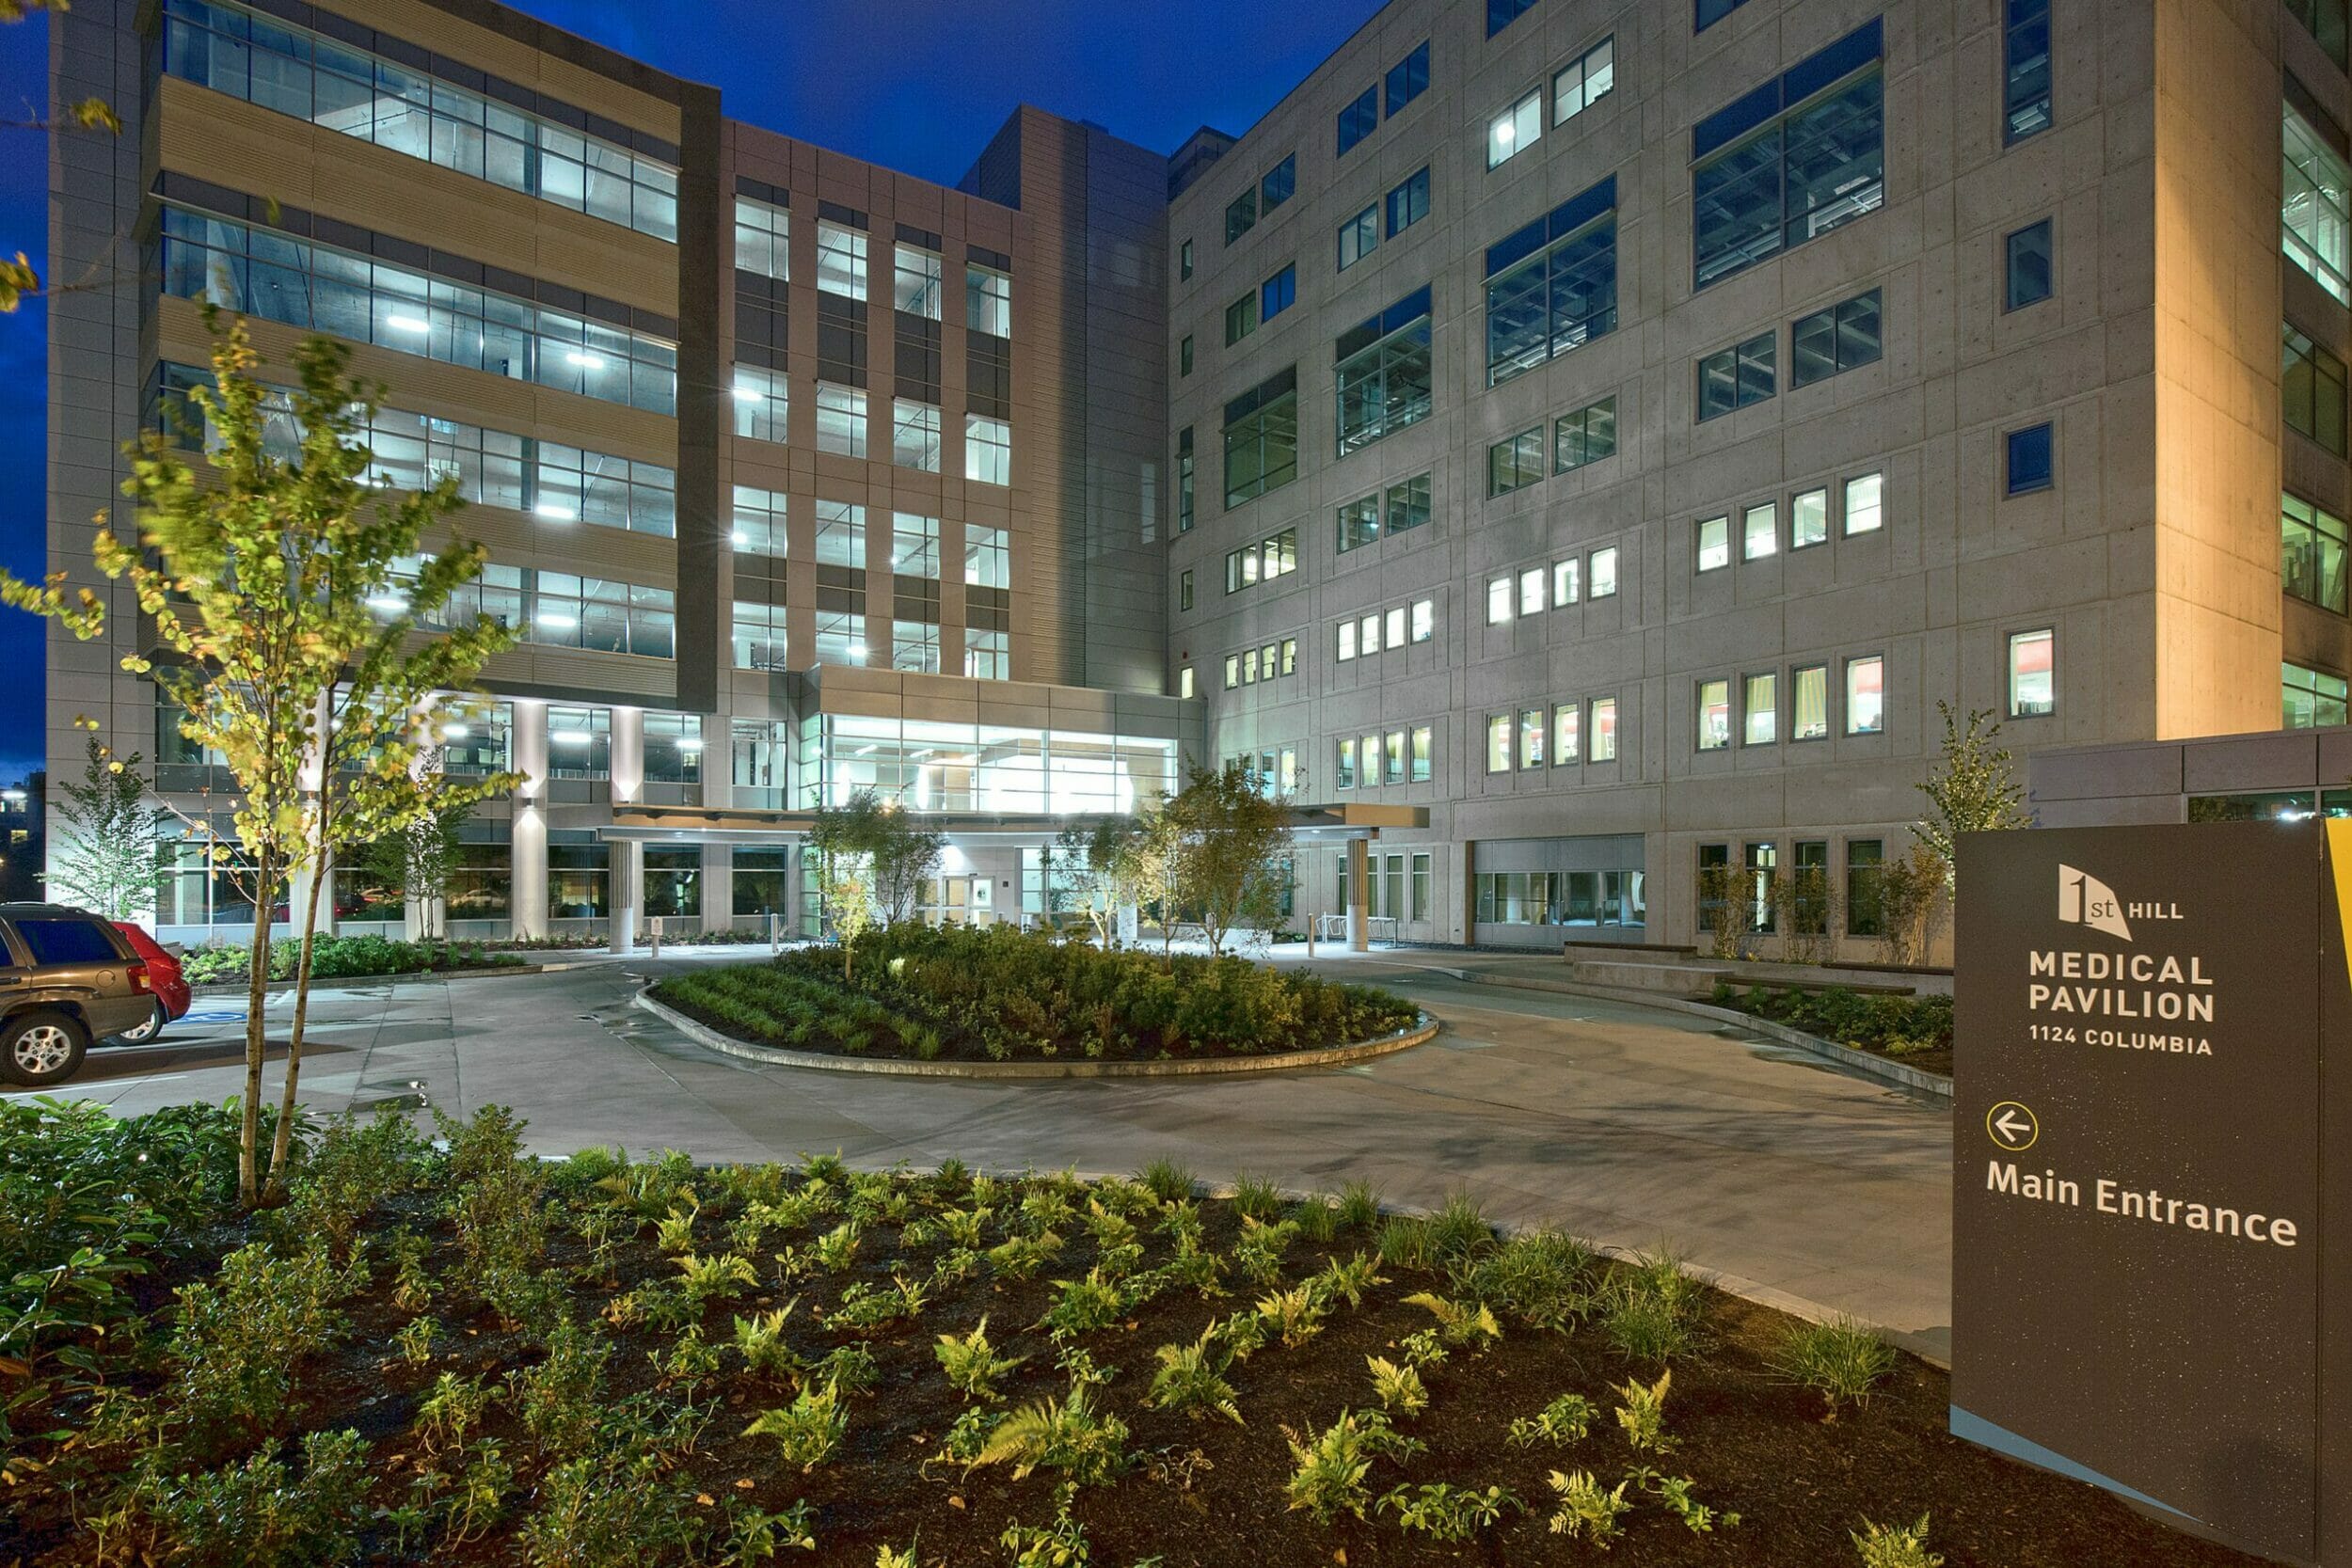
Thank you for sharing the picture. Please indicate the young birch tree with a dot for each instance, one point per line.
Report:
(1231, 839)
(110, 840)
(256, 578)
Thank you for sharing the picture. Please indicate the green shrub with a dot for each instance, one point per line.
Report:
(341, 958)
(1895, 1025)
(241, 1334)
(256, 1514)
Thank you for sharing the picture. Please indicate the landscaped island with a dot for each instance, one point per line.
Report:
(997, 994)
(460, 1355)
(342, 957)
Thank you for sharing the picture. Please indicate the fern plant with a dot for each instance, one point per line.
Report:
(808, 1431)
(1459, 1323)
(1643, 1414)
(1083, 1306)
(1330, 1474)
(1258, 1254)
(719, 1278)
(1674, 1493)
(1350, 1280)
(1895, 1546)
(1088, 1447)
(1400, 1389)
(759, 1340)
(971, 1364)
(1564, 1421)
(1191, 1379)
(1296, 1314)
(1587, 1510)
(837, 1249)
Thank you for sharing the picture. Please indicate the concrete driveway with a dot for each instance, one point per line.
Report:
(1627, 1125)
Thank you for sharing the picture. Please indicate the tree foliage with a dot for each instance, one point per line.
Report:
(1973, 787)
(417, 861)
(1227, 843)
(874, 861)
(109, 843)
(1119, 862)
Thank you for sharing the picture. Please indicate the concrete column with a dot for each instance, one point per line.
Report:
(527, 752)
(795, 895)
(625, 892)
(1467, 885)
(718, 764)
(1359, 927)
(718, 911)
(628, 756)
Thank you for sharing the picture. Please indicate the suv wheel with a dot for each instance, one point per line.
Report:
(41, 1048)
(145, 1032)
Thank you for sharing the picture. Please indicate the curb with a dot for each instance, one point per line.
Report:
(702, 1034)
(239, 988)
(1845, 1056)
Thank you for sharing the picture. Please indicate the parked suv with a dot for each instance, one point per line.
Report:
(66, 977)
(164, 977)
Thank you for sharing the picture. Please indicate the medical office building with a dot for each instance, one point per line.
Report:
(1586, 437)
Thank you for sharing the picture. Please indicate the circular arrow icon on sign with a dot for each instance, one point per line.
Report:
(2012, 1126)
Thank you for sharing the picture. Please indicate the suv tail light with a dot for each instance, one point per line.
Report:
(139, 976)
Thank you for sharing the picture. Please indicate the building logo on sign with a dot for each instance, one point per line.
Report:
(2085, 900)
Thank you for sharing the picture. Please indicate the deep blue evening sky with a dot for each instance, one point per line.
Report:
(915, 85)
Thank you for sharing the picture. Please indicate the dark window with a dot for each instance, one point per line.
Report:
(1516, 463)
(68, 941)
(1712, 11)
(987, 375)
(1183, 261)
(915, 347)
(1838, 339)
(2026, 75)
(1184, 355)
(840, 340)
(1715, 857)
(2029, 460)
(2311, 390)
(1262, 439)
(1278, 294)
(1279, 183)
(1502, 13)
(1358, 235)
(1383, 369)
(1409, 203)
(1799, 156)
(1359, 119)
(2325, 20)
(1241, 215)
(2028, 266)
(1586, 435)
(1552, 286)
(1409, 77)
(1736, 377)
(1183, 591)
(1865, 858)
(1241, 319)
(1184, 479)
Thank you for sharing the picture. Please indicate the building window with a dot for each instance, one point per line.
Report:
(1712, 11)
(579, 743)
(1346, 642)
(988, 657)
(987, 450)
(2310, 698)
(1360, 523)
(1865, 695)
(1759, 711)
(1241, 319)
(1278, 183)
(914, 646)
(1409, 203)
(1808, 704)
(1531, 737)
(2027, 266)
(1359, 119)
(1586, 435)
(1408, 504)
(1232, 672)
(762, 403)
(914, 435)
(1714, 544)
(840, 637)
(1532, 591)
(1864, 859)
(2311, 390)
(1808, 518)
(1383, 373)
(988, 301)
(1263, 561)
(1565, 737)
(1515, 463)
(1184, 590)
(1497, 601)
(1715, 715)
(1241, 215)
(1421, 753)
(1787, 163)
(1502, 13)
(1408, 78)
(2032, 674)
(763, 235)
(1604, 573)
(1736, 377)
(2325, 18)
(1864, 495)
(2025, 73)
(1564, 582)
(2030, 459)
(1184, 479)
(1759, 532)
(1829, 341)
(1183, 681)
(2312, 221)
(1276, 293)
(840, 260)
(1359, 236)
(1425, 619)
(1552, 286)
(1516, 129)
(1497, 743)
(841, 420)
(1604, 729)
(1262, 439)
(1584, 81)
(576, 882)
(2311, 553)
(1183, 263)
(913, 546)
(1184, 355)
(987, 556)
(758, 636)
(915, 288)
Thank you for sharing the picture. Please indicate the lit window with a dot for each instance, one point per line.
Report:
(1516, 129)
(840, 260)
(761, 402)
(2311, 211)
(1497, 601)
(1233, 670)
(1584, 81)
(1604, 729)
(987, 450)
(915, 546)
(1808, 518)
(1532, 591)
(916, 289)
(1183, 681)
(1715, 711)
(1395, 627)
(988, 657)
(987, 556)
(1347, 640)
(840, 536)
(1564, 582)
(1759, 532)
(1865, 695)
(1864, 494)
(1714, 544)
(1564, 733)
(988, 301)
(840, 638)
(1345, 775)
(841, 420)
(1382, 369)
(914, 435)
(1368, 633)
(1425, 619)
(1497, 743)
(1422, 750)
(2311, 543)
(1604, 573)
(758, 636)
(1759, 711)
(762, 239)
(2308, 698)
(2032, 674)
(1808, 707)
(1531, 737)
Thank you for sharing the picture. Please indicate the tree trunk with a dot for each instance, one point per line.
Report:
(281, 1146)
(256, 1032)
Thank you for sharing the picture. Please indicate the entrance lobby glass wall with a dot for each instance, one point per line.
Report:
(989, 770)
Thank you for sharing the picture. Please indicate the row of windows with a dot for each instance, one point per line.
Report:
(2308, 698)
(1405, 205)
(1808, 691)
(1575, 88)
(1400, 756)
(1270, 662)
(760, 638)
(412, 452)
(554, 609)
(1863, 512)
(1584, 436)
(1523, 592)
(263, 273)
(1278, 185)
(1271, 558)
(1401, 507)
(1405, 81)
(354, 93)
(1811, 907)
(1827, 342)
(762, 405)
(1591, 898)
(1362, 636)
(2311, 542)
(758, 527)
(1519, 739)
(1384, 373)
(1268, 300)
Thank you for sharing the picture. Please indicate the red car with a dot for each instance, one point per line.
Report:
(164, 977)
